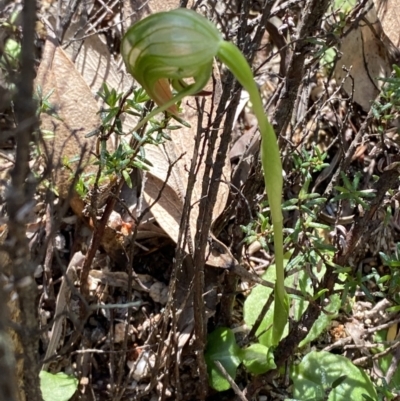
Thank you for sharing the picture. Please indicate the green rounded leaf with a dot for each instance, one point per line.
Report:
(253, 306)
(258, 359)
(222, 347)
(255, 302)
(58, 387)
(323, 320)
(317, 374)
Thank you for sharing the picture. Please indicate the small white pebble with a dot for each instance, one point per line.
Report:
(142, 366)
(70, 219)
(38, 271)
(59, 242)
(159, 293)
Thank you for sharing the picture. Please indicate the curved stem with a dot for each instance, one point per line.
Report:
(272, 167)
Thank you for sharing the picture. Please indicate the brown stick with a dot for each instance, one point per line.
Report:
(19, 204)
(313, 13)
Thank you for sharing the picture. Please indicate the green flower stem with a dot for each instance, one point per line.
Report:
(181, 44)
(231, 56)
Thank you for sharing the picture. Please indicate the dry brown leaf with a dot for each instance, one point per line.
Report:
(388, 12)
(76, 108)
(75, 105)
(368, 58)
(97, 66)
(133, 11)
(169, 206)
(120, 279)
(93, 60)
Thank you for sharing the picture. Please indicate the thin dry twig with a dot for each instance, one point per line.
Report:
(375, 357)
(234, 386)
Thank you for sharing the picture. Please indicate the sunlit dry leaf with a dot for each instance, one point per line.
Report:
(169, 206)
(93, 60)
(150, 230)
(133, 11)
(388, 12)
(97, 66)
(74, 114)
(368, 58)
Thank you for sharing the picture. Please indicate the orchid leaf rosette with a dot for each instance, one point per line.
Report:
(163, 50)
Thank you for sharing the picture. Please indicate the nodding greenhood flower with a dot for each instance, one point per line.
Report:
(166, 48)
(171, 46)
